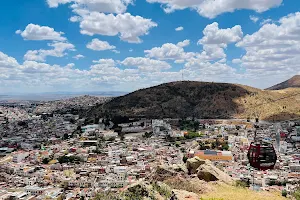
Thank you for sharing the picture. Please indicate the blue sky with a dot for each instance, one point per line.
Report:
(124, 45)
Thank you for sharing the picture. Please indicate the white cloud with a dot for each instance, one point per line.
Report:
(106, 6)
(70, 65)
(273, 49)
(79, 56)
(37, 32)
(98, 45)
(6, 61)
(179, 61)
(184, 43)
(254, 18)
(170, 51)
(215, 39)
(58, 50)
(116, 51)
(214, 35)
(180, 28)
(146, 64)
(197, 66)
(129, 28)
(139, 72)
(105, 66)
(266, 21)
(107, 17)
(236, 61)
(213, 8)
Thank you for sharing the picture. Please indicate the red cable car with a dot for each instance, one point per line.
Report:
(262, 155)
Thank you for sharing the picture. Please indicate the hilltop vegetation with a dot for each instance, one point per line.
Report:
(203, 100)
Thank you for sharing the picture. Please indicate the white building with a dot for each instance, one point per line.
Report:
(20, 156)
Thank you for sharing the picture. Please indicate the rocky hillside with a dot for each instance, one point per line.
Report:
(199, 179)
(203, 100)
(293, 82)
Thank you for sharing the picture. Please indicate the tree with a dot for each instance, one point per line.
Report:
(45, 161)
(66, 136)
(184, 159)
(148, 135)
(213, 145)
(72, 121)
(225, 146)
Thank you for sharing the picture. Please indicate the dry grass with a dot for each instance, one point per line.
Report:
(270, 105)
(227, 192)
(220, 191)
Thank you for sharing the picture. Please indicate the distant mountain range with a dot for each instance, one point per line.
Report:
(51, 96)
(293, 82)
(203, 100)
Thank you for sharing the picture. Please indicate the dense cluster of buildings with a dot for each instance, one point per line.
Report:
(53, 156)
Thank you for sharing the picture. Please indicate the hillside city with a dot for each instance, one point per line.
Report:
(47, 154)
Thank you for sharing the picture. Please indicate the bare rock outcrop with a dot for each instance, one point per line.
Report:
(209, 172)
(193, 164)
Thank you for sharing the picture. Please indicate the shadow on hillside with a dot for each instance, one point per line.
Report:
(177, 100)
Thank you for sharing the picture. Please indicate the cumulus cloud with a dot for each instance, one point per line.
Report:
(134, 72)
(129, 28)
(107, 17)
(213, 8)
(79, 56)
(273, 49)
(266, 21)
(254, 18)
(116, 51)
(98, 45)
(105, 66)
(170, 51)
(215, 39)
(214, 35)
(180, 28)
(59, 50)
(146, 64)
(37, 32)
(7, 61)
(106, 6)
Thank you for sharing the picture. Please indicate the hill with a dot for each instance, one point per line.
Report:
(293, 82)
(202, 100)
(72, 104)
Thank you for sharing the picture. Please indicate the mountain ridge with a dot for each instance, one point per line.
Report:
(202, 100)
(293, 82)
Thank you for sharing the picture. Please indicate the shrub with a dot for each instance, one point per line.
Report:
(284, 193)
(242, 184)
(163, 190)
(184, 159)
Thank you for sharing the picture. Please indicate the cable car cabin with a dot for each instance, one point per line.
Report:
(262, 156)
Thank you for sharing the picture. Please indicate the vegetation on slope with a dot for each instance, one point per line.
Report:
(203, 100)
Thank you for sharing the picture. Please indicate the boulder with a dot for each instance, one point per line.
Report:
(184, 195)
(209, 172)
(192, 164)
(180, 168)
(162, 173)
